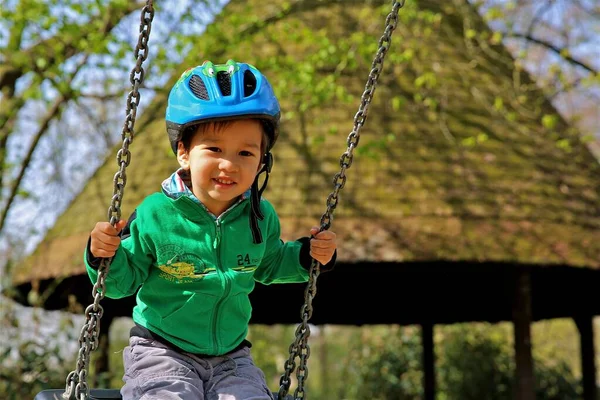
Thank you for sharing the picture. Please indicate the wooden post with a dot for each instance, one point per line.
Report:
(588, 356)
(428, 360)
(525, 386)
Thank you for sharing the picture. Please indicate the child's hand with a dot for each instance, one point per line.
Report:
(323, 245)
(105, 239)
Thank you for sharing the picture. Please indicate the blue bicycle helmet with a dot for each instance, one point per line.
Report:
(213, 92)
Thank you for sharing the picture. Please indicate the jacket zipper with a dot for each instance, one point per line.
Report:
(226, 282)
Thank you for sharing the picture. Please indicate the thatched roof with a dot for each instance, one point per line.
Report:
(461, 157)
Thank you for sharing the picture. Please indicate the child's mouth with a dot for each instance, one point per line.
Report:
(223, 182)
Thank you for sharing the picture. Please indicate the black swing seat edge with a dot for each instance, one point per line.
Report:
(95, 394)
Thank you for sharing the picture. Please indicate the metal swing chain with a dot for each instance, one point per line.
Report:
(300, 348)
(76, 383)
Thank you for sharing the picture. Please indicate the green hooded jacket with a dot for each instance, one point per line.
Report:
(194, 272)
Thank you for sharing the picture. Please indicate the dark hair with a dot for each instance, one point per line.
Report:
(191, 131)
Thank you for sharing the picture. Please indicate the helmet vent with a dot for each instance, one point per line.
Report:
(224, 83)
(198, 88)
(249, 83)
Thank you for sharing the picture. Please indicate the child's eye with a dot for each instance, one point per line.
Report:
(246, 153)
(215, 149)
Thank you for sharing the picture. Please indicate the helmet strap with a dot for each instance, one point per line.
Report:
(255, 195)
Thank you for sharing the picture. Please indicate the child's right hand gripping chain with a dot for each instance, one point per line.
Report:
(105, 239)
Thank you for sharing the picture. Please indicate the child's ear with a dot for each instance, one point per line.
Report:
(183, 156)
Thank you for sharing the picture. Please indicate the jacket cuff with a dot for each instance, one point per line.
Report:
(93, 261)
(306, 259)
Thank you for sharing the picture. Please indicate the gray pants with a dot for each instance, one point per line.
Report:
(153, 371)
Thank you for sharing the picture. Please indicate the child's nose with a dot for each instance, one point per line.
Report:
(227, 165)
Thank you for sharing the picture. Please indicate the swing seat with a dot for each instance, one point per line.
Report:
(95, 394)
(98, 394)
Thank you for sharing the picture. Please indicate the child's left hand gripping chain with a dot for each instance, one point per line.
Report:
(323, 245)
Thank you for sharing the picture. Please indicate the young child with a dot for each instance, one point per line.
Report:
(195, 249)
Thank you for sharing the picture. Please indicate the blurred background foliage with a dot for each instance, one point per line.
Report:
(473, 361)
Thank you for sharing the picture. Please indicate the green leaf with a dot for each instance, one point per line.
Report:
(469, 142)
(427, 80)
(41, 62)
(494, 13)
(564, 144)
(499, 103)
(587, 138)
(496, 38)
(565, 53)
(549, 121)
(398, 102)
(23, 193)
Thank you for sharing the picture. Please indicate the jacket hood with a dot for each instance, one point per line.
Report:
(179, 184)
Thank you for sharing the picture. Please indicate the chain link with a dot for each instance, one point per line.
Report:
(300, 348)
(76, 384)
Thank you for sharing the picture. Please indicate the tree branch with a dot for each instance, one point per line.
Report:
(541, 11)
(553, 48)
(52, 113)
(10, 73)
(14, 187)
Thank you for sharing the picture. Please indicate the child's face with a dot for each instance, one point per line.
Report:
(223, 163)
